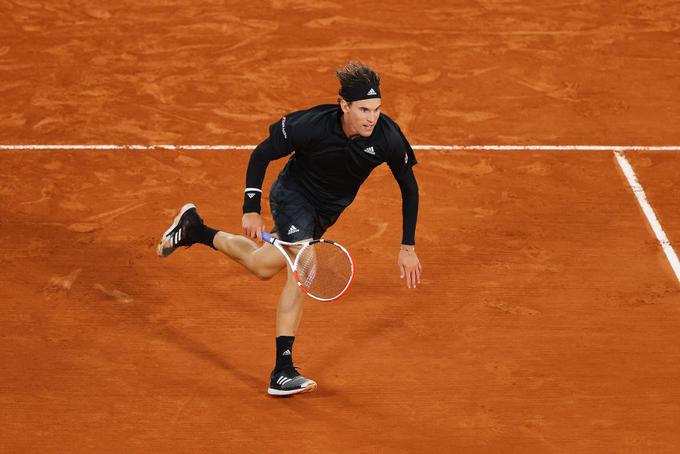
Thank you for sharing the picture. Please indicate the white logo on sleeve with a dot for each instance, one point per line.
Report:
(292, 230)
(371, 92)
(283, 127)
(370, 150)
(405, 158)
(250, 192)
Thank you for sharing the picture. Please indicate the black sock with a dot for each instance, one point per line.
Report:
(203, 234)
(284, 352)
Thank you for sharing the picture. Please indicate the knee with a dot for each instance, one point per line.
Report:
(264, 274)
(264, 267)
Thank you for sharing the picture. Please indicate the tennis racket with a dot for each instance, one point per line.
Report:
(323, 269)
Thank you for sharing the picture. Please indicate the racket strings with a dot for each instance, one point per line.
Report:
(324, 269)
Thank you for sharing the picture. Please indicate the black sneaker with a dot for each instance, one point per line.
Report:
(289, 381)
(178, 233)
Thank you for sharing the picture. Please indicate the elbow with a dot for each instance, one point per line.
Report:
(409, 188)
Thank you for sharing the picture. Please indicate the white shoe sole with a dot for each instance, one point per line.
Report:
(165, 237)
(279, 392)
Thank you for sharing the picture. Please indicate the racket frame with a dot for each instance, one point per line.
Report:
(279, 244)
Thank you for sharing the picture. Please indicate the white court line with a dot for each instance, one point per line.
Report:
(649, 212)
(548, 147)
(415, 147)
(618, 149)
(127, 147)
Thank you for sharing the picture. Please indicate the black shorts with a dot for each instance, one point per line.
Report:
(295, 217)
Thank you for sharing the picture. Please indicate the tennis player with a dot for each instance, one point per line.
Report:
(336, 146)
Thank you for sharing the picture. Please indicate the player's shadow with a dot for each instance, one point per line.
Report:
(148, 317)
(200, 350)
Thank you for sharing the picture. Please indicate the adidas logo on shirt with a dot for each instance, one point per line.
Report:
(286, 353)
(369, 150)
(292, 230)
(371, 92)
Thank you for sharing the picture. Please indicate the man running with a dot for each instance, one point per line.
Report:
(336, 146)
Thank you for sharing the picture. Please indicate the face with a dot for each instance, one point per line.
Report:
(360, 117)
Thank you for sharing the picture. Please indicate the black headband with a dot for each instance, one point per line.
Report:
(358, 93)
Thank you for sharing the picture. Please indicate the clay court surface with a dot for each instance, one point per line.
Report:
(547, 318)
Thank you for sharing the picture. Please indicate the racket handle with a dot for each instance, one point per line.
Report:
(266, 236)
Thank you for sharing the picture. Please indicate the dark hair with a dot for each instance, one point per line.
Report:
(356, 75)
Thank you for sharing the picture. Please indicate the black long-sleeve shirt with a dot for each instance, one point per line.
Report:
(328, 167)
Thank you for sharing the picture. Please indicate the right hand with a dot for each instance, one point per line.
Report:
(252, 224)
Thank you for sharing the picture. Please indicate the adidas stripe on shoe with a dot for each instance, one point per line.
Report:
(178, 233)
(289, 381)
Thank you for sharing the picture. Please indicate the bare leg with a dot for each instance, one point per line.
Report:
(264, 262)
(289, 310)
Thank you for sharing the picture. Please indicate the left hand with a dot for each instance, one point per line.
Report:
(409, 265)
